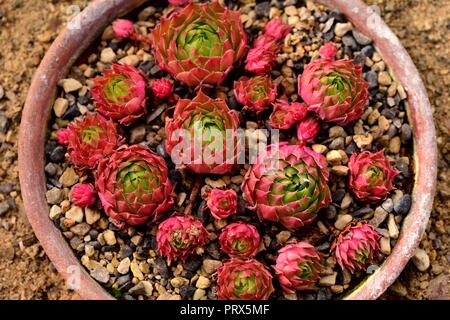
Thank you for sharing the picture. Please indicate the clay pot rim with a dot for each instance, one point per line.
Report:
(87, 26)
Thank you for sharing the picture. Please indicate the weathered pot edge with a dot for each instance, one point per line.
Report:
(99, 14)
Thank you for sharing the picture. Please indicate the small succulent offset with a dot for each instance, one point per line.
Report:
(307, 129)
(202, 135)
(298, 267)
(161, 88)
(180, 236)
(287, 184)
(120, 94)
(133, 186)
(200, 43)
(179, 3)
(356, 246)
(240, 240)
(371, 176)
(83, 195)
(255, 93)
(335, 90)
(244, 280)
(285, 115)
(221, 203)
(89, 140)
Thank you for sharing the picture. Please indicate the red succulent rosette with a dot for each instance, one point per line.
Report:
(120, 94)
(199, 44)
(277, 29)
(90, 139)
(298, 267)
(371, 176)
(356, 246)
(202, 135)
(240, 240)
(180, 236)
(335, 90)
(288, 184)
(83, 195)
(162, 88)
(133, 186)
(255, 93)
(244, 280)
(221, 203)
(308, 128)
(285, 115)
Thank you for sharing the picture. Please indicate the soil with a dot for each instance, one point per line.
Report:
(27, 29)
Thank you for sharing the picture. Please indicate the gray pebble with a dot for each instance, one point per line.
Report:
(368, 51)
(4, 207)
(361, 38)
(100, 274)
(338, 195)
(6, 188)
(125, 251)
(337, 143)
(262, 9)
(350, 42)
(406, 133)
(330, 212)
(403, 205)
(388, 205)
(51, 169)
(372, 78)
(3, 123)
(362, 212)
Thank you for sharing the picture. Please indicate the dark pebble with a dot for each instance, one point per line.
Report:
(403, 167)
(359, 59)
(6, 188)
(403, 205)
(324, 294)
(4, 124)
(71, 113)
(362, 212)
(50, 169)
(368, 51)
(329, 35)
(93, 234)
(406, 133)
(161, 150)
(337, 143)
(95, 244)
(12, 203)
(155, 70)
(109, 248)
(192, 263)
(55, 183)
(350, 42)
(232, 102)
(392, 131)
(324, 246)
(126, 286)
(175, 176)
(57, 154)
(125, 251)
(338, 195)
(211, 294)
(123, 279)
(83, 100)
(187, 291)
(262, 9)
(142, 252)
(330, 213)
(213, 250)
(203, 215)
(351, 148)
(162, 268)
(338, 17)
(146, 66)
(372, 78)
(388, 113)
(187, 274)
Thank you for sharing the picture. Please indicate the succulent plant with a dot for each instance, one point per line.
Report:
(179, 3)
(133, 186)
(90, 140)
(162, 88)
(122, 28)
(202, 135)
(255, 93)
(120, 94)
(240, 240)
(298, 266)
(356, 246)
(285, 115)
(288, 184)
(371, 176)
(335, 90)
(277, 29)
(180, 236)
(261, 60)
(308, 128)
(221, 203)
(199, 44)
(83, 195)
(244, 280)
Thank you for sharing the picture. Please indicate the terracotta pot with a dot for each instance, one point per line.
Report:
(82, 32)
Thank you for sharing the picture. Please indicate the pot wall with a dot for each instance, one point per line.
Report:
(84, 30)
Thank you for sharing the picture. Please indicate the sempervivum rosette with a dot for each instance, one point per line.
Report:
(335, 90)
(298, 266)
(90, 140)
(287, 184)
(202, 135)
(221, 203)
(200, 43)
(255, 93)
(240, 240)
(120, 93)
(133, 185)
(371, 176)
(356, 246)
(180, 236)
(285, 115)
(244, 280)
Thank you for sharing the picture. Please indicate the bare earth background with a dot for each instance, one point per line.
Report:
(27, 28)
